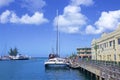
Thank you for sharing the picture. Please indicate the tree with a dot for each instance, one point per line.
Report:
(73, 55)
(96, 47)
(13, 52)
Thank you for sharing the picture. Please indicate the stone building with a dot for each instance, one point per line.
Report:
(107, 47)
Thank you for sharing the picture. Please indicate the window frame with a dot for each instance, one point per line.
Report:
(118, 41)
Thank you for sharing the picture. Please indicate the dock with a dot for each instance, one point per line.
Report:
(98, 70)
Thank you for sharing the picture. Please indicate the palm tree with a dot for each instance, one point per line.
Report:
(95, 48)
(13, 52)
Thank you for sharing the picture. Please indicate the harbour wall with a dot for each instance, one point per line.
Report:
(97, 71)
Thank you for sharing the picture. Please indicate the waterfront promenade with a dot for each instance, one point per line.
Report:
(98, 70)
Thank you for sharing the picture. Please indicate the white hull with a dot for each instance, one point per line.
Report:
(56, 62)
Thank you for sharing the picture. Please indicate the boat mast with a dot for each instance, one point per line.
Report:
(57, 40)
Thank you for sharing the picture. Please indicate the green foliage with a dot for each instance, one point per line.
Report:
(96, 47)
(73, 55)
(13, 52)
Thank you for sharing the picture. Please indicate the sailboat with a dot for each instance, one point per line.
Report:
(54, 59)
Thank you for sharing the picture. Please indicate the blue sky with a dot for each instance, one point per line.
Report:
(30, 25)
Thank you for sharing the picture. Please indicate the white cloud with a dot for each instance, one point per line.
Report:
(5, 2)
(92, 30)
(72, 19)
(14, 18)
(10, 17)
(37, 18)
(107, 21)
(4, 17)
(81, 2)
(33, 5)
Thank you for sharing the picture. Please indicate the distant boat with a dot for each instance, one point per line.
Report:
(20, 57)
(54, 59)
(4, 58)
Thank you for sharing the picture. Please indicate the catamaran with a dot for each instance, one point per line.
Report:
(56, 62)
(54, 59)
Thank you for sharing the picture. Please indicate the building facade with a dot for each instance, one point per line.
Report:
(84, 52)
(107, 47)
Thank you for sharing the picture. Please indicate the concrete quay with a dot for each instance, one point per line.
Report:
(97, 71)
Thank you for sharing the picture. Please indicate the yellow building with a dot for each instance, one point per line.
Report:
(107, 47)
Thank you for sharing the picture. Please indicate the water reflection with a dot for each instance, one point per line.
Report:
(60, 68)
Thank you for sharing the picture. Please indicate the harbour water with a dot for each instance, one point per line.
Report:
(34, 70)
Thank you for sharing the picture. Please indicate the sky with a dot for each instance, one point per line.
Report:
(30, 25)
